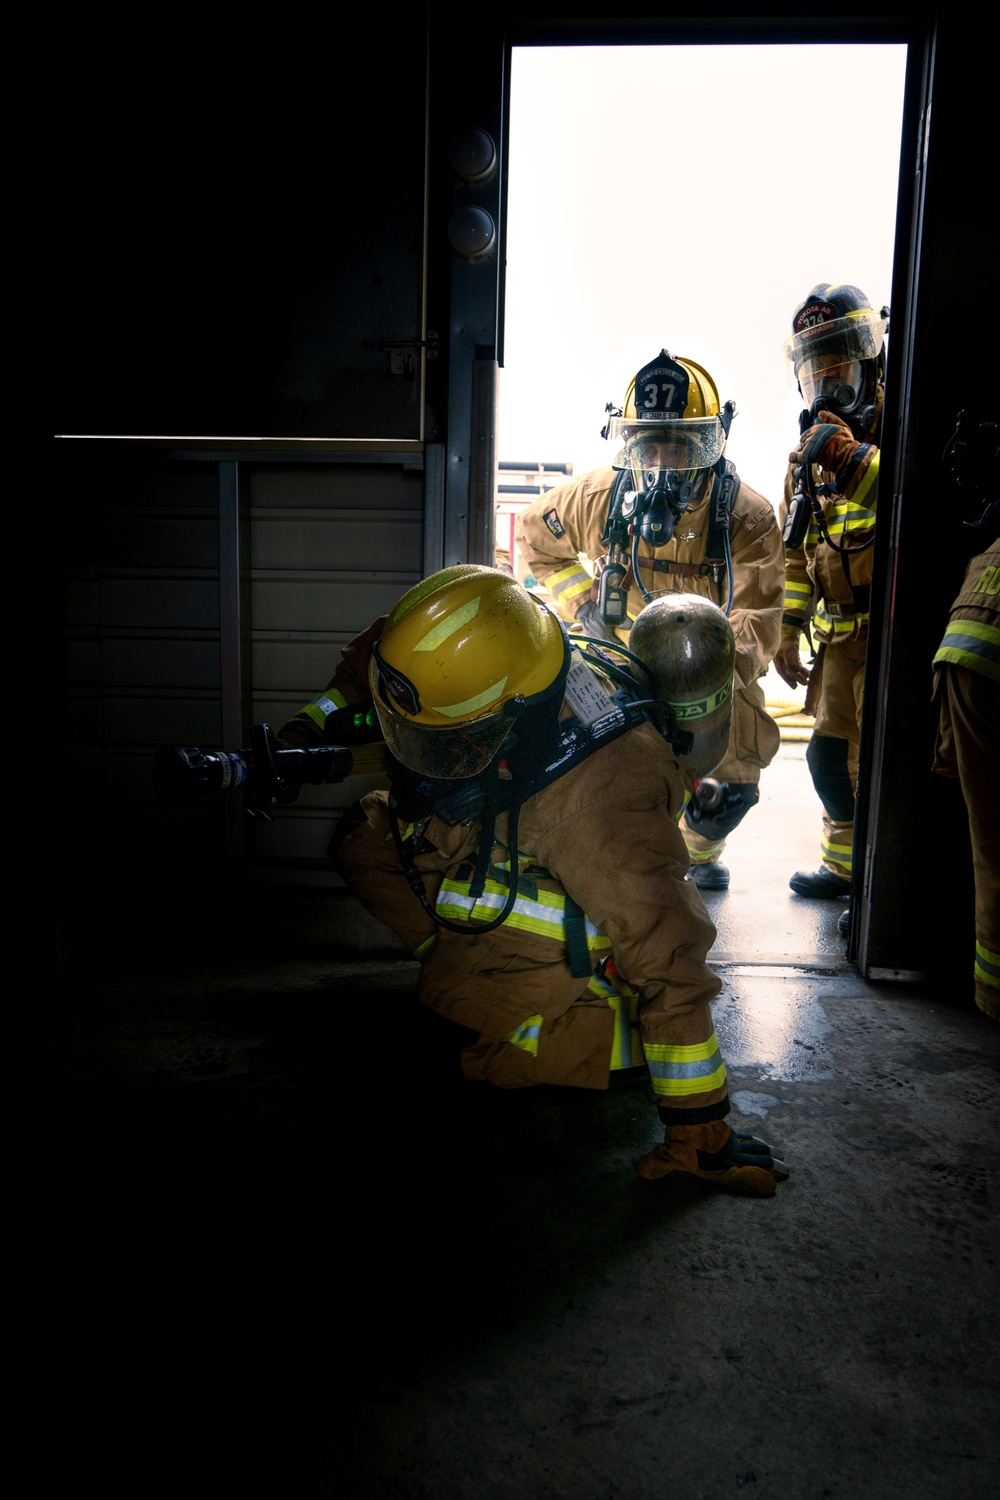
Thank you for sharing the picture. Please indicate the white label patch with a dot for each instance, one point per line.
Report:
(584, 693)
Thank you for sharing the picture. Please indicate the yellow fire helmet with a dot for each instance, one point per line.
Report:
(461, 656)
(671, 418)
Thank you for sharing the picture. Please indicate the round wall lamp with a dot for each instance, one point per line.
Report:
(471, 232)
(472, 154)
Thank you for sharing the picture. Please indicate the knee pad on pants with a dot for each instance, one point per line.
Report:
(827, 759)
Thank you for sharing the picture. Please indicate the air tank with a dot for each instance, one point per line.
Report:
(687, 644)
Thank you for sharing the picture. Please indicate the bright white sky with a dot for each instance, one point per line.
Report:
(687, 198)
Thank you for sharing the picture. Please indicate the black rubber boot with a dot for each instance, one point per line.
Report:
(820, 885)
(710, 877)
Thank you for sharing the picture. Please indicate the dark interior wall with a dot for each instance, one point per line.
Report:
(241, 213)
(239, 216)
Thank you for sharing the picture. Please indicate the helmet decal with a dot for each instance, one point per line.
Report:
(444, 628)
(661, 389)
(812, 314)
(396, 685)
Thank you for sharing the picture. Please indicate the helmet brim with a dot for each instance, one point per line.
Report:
(695, 443)
(860, 336)
(448, 753)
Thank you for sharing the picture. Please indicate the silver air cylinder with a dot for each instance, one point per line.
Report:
(687, 644)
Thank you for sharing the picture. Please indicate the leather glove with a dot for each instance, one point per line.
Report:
(789, 665)
(830, 443)
(589, 616)
(715, 1154)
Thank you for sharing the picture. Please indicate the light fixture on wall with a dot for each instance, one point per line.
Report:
(472, 154)
(471, 232)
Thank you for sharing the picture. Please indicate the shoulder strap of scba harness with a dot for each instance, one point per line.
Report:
(725, 491)
(536, 760)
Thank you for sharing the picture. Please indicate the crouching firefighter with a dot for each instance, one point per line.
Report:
(671, 515)
(528, 849)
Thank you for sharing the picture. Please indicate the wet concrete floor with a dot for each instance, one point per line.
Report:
(290, 1253)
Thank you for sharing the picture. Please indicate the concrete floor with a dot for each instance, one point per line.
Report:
(268, 1276)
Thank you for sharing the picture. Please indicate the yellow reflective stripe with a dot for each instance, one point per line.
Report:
(834, 626)
(572, 592)
(567, 574)
(422, 950)
(321, 707)
(471, 705)
(569, 583)
(837, 854)
(545, 915)
(868, 481)
(677, 1088)
(972, 644)
(626, 1045)
(797, 597)
(447, 627)
(848, 515)
(312, 711)
(987, 965)
(677, 1071)
(526, 1035)
(705, 856)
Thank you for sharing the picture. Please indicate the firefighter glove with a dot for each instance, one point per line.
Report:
(830, 443)
(788, 662)
(589, 616)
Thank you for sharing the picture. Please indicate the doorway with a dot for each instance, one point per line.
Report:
(689, 196)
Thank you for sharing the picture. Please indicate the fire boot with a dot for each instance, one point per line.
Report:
(821, 885)
(716, 1155)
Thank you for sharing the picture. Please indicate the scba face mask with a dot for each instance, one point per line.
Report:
(670, 431)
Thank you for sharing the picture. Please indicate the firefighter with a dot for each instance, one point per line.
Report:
(671, 515)
(967, 690)
(533, 861)
(836, 354)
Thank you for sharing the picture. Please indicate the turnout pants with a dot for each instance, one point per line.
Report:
(968, 746)
(546, 1003)
(835, 699)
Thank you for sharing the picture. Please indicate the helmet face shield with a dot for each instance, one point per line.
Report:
(820, 348)
(679, 445)
(440, 752)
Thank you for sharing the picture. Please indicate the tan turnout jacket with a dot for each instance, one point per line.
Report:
(554, 530)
